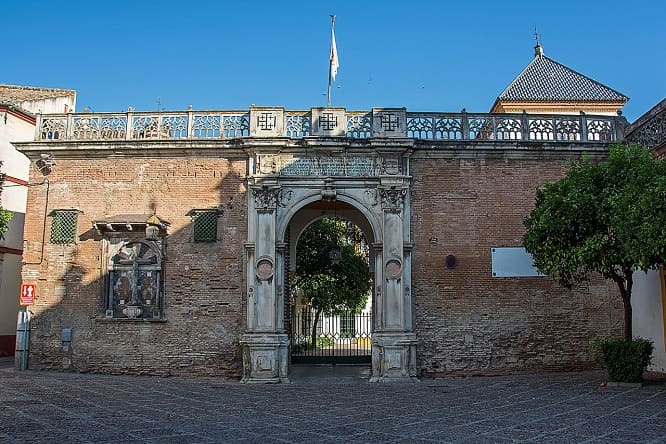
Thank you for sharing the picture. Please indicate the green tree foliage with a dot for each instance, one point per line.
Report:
(331, 286)
(607, 217)
(5, 216)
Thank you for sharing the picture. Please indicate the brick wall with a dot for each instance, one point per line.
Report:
(203, 298)
(467, 321)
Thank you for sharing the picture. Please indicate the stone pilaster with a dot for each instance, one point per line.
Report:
(265, 345)
(393, 339)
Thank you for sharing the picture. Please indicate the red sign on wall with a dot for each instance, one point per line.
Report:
(27, 294)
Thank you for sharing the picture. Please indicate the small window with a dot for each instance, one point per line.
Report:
(63, 226)
(204, 225)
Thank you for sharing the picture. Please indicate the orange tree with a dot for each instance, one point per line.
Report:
(331, 286)
(607, 217)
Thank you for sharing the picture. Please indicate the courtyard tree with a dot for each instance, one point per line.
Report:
(331, 271)
(607, 217)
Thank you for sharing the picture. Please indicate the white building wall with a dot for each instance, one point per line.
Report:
(13, 198)
(648, 315)
(53, 105)
(14, 163)
(9, 293)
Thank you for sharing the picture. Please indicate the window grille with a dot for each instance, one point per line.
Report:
(204, 225)
(63, 227)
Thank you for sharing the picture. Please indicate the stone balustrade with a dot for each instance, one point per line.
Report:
(328, 122)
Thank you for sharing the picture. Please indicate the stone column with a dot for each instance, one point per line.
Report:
(393, 340)
(265, 344)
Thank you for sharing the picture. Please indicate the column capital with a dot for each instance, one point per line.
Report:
(392, 197)
(269, 197)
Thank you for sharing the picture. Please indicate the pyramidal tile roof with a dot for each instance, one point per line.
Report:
(546, 80)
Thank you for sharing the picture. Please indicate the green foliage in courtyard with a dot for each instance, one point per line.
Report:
(626, 360)
(332, 286)
(607, 217)
(322, 342)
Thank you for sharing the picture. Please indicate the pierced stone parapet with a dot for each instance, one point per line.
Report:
(332, 122)
(649, 130)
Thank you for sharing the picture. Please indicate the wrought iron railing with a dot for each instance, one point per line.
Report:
(276, 122)
(339, 338)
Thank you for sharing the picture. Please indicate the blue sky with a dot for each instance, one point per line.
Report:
(425, 56)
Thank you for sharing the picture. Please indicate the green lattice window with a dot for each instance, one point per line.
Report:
(204, 225)
(63, 226)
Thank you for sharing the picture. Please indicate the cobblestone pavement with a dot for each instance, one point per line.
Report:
(331, 407)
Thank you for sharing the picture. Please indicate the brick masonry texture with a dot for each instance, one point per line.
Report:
(467, 321)
(203, 298)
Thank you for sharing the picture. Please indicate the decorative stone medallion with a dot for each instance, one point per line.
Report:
(393, 269)
(264, 268)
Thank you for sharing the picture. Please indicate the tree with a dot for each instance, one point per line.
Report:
(332, 286)
(607, 217)
(5, 216)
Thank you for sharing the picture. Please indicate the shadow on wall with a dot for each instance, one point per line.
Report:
(116, 302)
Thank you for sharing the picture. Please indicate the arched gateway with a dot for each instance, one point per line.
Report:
(374, 181)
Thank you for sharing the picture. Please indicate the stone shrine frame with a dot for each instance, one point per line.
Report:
(134, 270)
(375, 185)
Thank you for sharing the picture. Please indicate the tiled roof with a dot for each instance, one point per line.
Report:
(19, 94)
(546, 80)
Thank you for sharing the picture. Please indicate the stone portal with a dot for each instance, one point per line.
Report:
(372, 180)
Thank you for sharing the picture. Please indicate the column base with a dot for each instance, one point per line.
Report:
(394, 357)
(265, 358)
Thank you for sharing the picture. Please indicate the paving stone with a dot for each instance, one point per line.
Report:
(568, 407)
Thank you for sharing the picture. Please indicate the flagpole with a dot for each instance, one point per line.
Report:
(330, 63)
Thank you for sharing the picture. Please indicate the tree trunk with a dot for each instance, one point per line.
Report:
(626, 299)
(627, 319)
(625, 283)
(314, 328)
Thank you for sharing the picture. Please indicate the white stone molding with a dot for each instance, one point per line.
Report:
(266, 122)
(389, 122)
(329, 122)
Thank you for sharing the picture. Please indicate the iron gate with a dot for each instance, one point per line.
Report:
(341, 338)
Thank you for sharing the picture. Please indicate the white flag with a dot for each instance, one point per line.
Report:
(334, 56)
